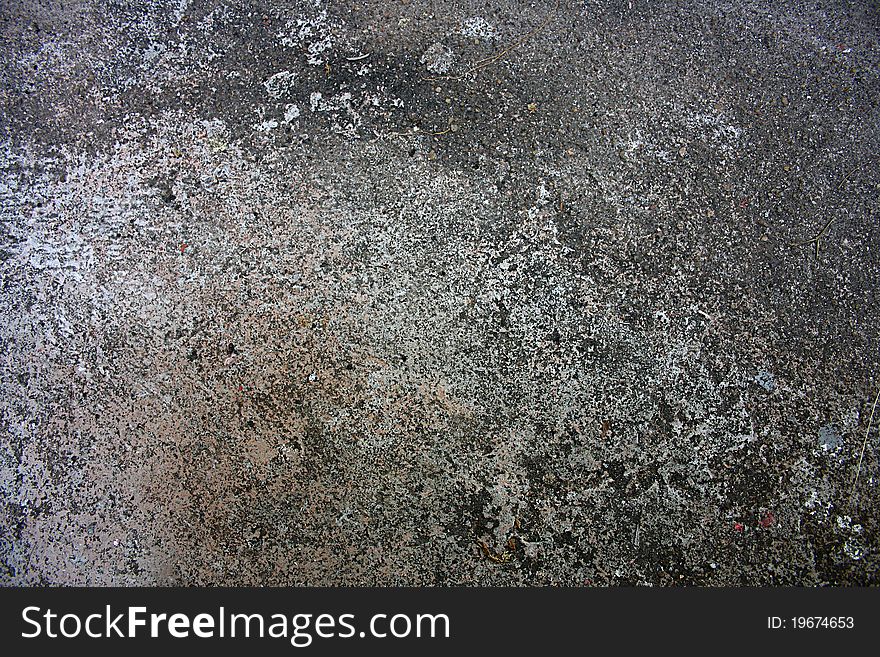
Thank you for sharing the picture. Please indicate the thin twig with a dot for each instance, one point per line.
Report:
(864, 445)
(488, 61)
(483, 63)
(845, 180)
(441, 132)
(818, 237)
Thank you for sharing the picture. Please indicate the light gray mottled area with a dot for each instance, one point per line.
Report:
(301, 293)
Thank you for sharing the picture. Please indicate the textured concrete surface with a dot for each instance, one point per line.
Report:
(430, 293)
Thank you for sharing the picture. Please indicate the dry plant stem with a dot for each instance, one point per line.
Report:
(441, 132)
(488, 61)
(864, 445)
(818, 237)
(845, 180)
(829, 222)
(483, 63)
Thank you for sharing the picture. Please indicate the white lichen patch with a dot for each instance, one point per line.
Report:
(180, 11)
(766, 380)
(279, 84)
(316, 101)
(291, 113)
(266, 126)
(478, 27)
(717, 129)
(853, 550)
(313, 34)
(854, 546)
(153, 51)
(344, 117)
(438, 58)
(830, 439)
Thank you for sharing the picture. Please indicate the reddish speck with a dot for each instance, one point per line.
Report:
(738, 527)
(768, 519)
(183, 246)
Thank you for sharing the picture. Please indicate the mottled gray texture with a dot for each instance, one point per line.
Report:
(282, 305)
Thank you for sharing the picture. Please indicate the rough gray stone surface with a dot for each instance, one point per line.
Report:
(431, 292)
